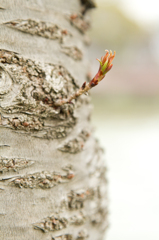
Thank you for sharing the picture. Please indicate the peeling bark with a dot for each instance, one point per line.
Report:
(52, 171)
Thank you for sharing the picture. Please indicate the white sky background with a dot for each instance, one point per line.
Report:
(132, 155)
(142, 11)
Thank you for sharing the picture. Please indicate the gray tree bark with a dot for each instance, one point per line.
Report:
(52, 172)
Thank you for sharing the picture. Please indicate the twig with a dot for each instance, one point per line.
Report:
(105, 66)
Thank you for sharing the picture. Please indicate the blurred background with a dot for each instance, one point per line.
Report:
(126, 113)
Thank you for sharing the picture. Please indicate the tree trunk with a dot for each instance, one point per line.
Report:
(52, 172)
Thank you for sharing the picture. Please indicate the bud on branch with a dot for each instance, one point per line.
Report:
(105, 66)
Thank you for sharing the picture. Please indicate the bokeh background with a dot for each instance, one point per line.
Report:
(126, 113)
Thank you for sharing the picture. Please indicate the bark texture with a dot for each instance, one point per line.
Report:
(52, 171)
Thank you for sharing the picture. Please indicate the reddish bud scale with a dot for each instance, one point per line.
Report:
(84, 85)
(104, 59)
(108, 69)
(93, 83)
(105, 62)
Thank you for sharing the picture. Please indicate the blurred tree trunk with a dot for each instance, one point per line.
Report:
(52, 173)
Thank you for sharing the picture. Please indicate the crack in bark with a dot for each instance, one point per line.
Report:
(52, 224)
(42, 179)
(77, 144)
(14, 164)
(35, 89)
(79, 22)
(39, 28)
(56, 223)
(63, 237)
(73, 52)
